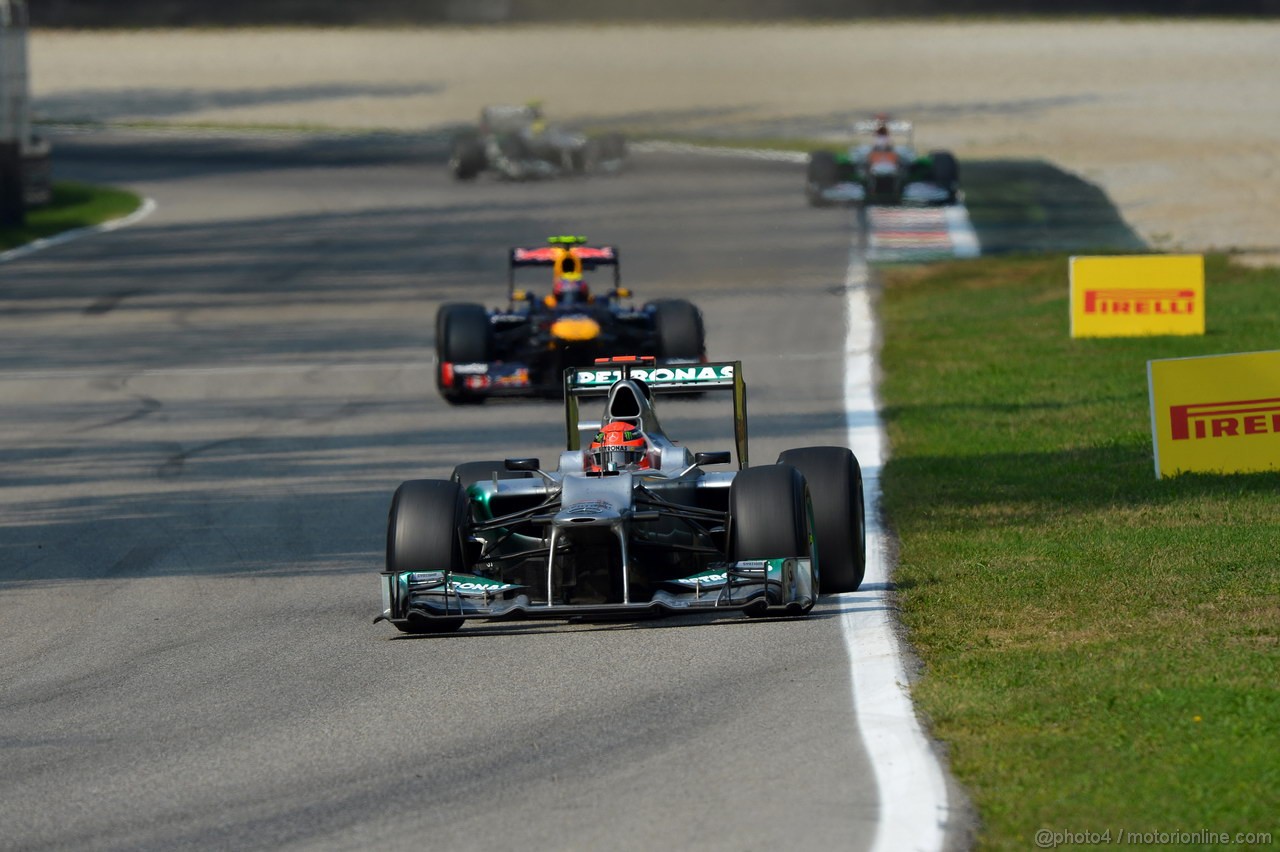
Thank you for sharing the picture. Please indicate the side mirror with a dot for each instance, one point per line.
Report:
(524, 464)
(719, 457)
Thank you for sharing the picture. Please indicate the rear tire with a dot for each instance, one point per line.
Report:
(679, 328)
(464, 335)
(613, 146)
(424, 532)
(835, 486)
(946, 173)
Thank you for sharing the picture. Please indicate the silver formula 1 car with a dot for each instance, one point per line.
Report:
(629, 526)
(517, 143)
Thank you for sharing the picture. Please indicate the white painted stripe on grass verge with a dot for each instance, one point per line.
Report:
(909, 779)
(148, 207)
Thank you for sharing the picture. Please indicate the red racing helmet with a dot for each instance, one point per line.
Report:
(618, 446)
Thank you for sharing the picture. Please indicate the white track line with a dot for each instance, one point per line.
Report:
(912, 789)
(148, 207)
(910, 784)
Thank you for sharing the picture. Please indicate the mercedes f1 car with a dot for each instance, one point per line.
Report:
(522, 349)
(516, 143)
(882, 169)
(630, 526)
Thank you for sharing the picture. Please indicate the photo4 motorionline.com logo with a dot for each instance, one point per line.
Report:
(1050, 839)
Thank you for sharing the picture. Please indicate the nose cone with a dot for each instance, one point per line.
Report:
(575, 329)
(587, 514)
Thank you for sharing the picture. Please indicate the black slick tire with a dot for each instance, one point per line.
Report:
(679, 329)
(822, 173)
(835, 486)
(424, 532)
(464, 335)
(467, 158)
(946, 172)
(613, 147)
(769, 515)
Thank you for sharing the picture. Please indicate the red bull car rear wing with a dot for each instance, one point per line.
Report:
(569, 256)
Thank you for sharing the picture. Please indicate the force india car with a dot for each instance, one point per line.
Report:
(523, 349)
(655, 535)
(516, 143)
(883, 168)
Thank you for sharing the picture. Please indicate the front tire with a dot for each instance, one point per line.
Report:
(823, 173)
(770, 518)
(946, 173)
(613, 147)
(767, 514)
(425, 525)
(835, 485)
(468, 158)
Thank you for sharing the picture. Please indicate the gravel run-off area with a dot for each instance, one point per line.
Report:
(1176, 120)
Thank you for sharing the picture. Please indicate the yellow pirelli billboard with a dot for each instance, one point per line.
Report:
(1136, 295)
(1215, 414)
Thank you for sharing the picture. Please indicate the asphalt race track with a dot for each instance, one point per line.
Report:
(205, 416)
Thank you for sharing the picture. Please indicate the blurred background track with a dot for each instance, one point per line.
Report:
(97, 13)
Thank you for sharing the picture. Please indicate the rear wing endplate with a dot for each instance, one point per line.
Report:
(595, 381)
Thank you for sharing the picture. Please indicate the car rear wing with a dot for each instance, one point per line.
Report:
(595, 381)
(895, 126)
(506, 118)
(577, 259)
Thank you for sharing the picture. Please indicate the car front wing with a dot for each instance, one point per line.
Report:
(783, 586)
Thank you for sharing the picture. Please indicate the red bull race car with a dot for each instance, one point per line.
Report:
(523, 348)
(630, 524)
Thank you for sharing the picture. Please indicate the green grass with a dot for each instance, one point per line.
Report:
(74, 205)
(1102, 647)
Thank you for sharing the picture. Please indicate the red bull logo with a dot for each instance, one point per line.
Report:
(1209, 420)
